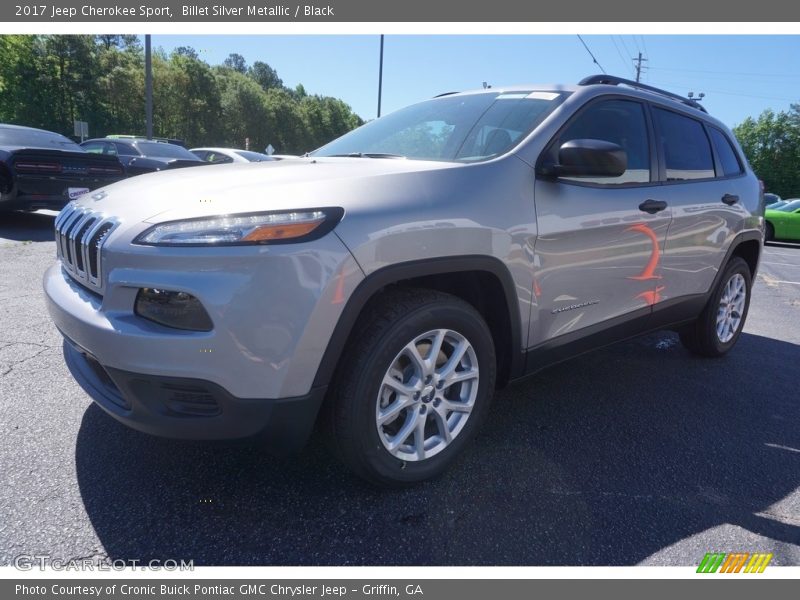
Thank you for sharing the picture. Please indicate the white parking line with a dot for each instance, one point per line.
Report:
(764, 262)
(770, 280)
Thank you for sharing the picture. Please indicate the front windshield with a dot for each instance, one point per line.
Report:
(465, 128)
(164, 150)
(790, 206)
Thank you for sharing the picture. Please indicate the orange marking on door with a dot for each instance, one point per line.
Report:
(651, 296)
(655, 254)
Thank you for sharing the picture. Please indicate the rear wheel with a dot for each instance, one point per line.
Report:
(719, 325)
(769, 232)
(414, 388)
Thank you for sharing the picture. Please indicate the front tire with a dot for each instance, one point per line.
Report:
(720, 324)
(769, 233)
(414, 387)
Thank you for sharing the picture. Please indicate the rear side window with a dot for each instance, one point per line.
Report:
(621, 122)
(687, 151)
(725, 152)
(125, 149)
(93, 147)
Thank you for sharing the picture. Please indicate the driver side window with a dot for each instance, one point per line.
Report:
(620, 122)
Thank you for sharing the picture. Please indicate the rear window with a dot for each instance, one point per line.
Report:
(36, 138)
(725, 152)
(687, 151)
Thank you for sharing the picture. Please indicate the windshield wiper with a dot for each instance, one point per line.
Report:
(366, 155)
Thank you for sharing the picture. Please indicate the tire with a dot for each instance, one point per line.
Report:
(707, 336)
(382, 351)
(769, 233)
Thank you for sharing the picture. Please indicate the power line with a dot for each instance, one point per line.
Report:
(621, 57)
(624, 45)
(636, 43)
(644, 45)
(590, 54)
(723, 73)
(723, 92)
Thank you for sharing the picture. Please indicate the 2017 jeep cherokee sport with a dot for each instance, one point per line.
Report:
(393, 278)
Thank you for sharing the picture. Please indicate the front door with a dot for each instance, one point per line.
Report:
(599, 244)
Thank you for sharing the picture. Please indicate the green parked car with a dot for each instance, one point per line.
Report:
(783, 223)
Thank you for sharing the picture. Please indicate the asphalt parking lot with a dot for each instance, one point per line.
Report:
(636, 454)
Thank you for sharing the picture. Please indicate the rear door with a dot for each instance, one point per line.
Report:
(597, 251)
(704, 181)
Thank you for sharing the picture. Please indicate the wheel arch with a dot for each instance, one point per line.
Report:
(464, 276)
(747, 246)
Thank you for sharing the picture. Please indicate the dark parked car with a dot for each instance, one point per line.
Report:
(140, 155)
(42, 169)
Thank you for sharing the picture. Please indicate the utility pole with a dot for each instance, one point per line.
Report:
(639, 67)
(380, 79)
(148, 88)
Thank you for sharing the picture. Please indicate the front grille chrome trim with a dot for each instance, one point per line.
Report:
(77, 229)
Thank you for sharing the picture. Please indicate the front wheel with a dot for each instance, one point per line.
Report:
(769, 232)
(414, 388)
(720, 324)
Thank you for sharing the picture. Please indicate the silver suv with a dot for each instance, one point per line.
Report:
(390, 281)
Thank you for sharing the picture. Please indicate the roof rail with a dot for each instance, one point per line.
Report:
(613, 80)
(445, 94)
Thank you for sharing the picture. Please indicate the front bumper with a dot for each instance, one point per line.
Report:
(192, 408)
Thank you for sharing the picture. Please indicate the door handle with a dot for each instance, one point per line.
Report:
(730, 199)
(652, 206)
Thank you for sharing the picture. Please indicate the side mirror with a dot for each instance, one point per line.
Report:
(587, 158)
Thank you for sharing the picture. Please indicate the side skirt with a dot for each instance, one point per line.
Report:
(668, 315)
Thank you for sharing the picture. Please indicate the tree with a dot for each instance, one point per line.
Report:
(236, 62)
(771, 144)
(48, 81)
(186, 51)
(265, 76)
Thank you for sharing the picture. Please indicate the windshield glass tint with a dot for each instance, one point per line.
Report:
(253, 156)
(35, 138)
(165, 150)
(453, 128)
(790, 206)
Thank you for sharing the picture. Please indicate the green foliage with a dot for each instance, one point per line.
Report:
(48, 81)
(265, 76)
(772, 146)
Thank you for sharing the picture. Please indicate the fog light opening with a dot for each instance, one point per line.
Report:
(178, 310)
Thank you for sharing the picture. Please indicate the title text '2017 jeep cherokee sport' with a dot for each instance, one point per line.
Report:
(393, 278)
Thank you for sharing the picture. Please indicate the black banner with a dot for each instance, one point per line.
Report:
(404, 589)
(405, 11)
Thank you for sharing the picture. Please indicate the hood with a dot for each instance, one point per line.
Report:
(249, 187)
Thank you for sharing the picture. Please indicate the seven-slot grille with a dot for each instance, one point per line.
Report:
(80, 234)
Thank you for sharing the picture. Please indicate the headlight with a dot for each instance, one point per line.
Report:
(252, 228)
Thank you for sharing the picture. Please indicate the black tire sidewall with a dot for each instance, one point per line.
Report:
(377, 461)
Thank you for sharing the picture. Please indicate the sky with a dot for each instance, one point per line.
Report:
(741, 75)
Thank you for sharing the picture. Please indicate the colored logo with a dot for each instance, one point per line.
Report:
(744, 562)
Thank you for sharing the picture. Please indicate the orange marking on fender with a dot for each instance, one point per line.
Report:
(537, 291)
(338, 294)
